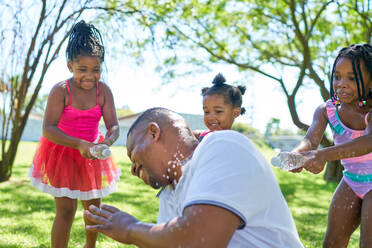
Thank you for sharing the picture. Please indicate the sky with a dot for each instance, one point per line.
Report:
(139, 87)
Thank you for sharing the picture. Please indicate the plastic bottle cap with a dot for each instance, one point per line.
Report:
(106, 152)
(275, 161)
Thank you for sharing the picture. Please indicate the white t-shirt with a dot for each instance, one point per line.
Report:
(228, 171)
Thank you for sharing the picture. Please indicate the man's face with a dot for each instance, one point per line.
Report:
(146, 158)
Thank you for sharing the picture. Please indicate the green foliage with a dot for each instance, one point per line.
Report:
(27, 214)
(254, 134)
(273, 128)
(30, 43)
(123, 111)
(40, 103)
(297, 36)
(244, 128)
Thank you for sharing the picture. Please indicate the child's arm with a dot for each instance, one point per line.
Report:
(197, 133)
(52, 115)
(354, 148)
(109, 116)
(314, 134)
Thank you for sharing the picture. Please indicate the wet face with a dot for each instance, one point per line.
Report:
(146, 158)
(219, 115)
(86, 71)
(344, 81)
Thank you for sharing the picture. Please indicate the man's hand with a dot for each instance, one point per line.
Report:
(316, 161)
(111, 222)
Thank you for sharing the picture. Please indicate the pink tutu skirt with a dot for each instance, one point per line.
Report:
(62, 172)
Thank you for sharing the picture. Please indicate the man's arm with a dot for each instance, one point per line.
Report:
(199, 226)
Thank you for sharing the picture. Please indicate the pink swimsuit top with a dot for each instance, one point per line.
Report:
(82, 124)
(342, 134)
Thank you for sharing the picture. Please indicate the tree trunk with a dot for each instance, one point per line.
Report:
(333, 171)
(4, 172)
(8, 158)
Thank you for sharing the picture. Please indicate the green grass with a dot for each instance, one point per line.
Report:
(26, 214)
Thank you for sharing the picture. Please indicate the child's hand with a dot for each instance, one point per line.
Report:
(111, 135)
(84, 149)
(297, 170)
(316, 161)
(298, 150)
(106, 142)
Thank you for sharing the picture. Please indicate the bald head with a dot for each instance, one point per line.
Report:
(158, 139)
(165, 118)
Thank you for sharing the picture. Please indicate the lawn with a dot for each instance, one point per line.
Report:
(26, 214)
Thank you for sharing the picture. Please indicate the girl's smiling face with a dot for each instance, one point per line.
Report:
(219, 115)
(86, 70)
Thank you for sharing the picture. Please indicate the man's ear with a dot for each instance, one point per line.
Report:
(69, 66)
(154, 131)
(237, 111)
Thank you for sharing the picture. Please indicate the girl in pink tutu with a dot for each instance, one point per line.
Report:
(63, 165)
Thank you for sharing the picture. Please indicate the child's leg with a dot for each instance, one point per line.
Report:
(343, 217)
(366, 222)
(65, 212)
(91, 236)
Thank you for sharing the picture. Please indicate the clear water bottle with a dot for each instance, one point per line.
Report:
(100, 151)
(289, 160)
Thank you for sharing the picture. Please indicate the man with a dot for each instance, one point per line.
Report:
(218, 193)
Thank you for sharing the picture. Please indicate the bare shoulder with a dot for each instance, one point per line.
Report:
(197, 133)
(103, 87)
(369, 116)
(105, 94)
(321, 111)
(59, 89)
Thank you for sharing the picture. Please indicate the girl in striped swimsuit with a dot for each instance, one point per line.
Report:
(349, 116)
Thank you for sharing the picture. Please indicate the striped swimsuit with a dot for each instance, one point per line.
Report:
(358, 170)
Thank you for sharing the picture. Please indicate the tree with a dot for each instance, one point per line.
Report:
(245, 128)
(31, 36)
(40, 103)
(272, 127)
(300, 37)
(123, 111)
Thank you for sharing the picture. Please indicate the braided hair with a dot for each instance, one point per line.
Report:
(355, 53)
(86, 40)
(232, 94)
